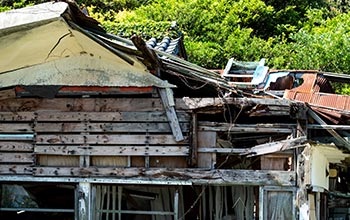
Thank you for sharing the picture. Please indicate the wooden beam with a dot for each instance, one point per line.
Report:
(168, 103)
(19, 158)
(17, 116)
(222, 150)
(81, 104)
(16, 128)
(112, 150)
(194, 140)
(196, 176)
(104, 139)
(334, 127)
(115, 127)
(151, 59)
(274, 147)
(15, 169)
(16, 147)
(84, 201)
(246, 128)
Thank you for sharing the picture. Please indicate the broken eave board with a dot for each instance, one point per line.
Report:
(247, 128)
(274, 147)
(152, 175)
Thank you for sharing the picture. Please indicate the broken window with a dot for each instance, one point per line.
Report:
(36, 201)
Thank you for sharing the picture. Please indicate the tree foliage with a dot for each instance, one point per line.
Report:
(290, 34)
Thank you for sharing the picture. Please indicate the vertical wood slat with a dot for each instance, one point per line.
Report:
(171, 114)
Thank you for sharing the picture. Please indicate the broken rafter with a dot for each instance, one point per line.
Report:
(247, 128)
(151, 59)
(194, 176)
(169, 106)
(274, 147)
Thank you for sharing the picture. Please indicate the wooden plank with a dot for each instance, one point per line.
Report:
(197, 176)
(222, 150)
(113, 150)
(334, 127)
(7, 94)
(168, 103)
(194, 140)
(160, 127)
(116, 139)
(16, 128)
(81, 104)
(132, 116)
(276, 146)
(246, 128)
(6, 169)
(206, 139)
(109, 161)
(16, 146)
(17, 116)
(58, 160)
(16, 158)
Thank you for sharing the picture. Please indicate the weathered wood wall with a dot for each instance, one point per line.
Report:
(88, 132)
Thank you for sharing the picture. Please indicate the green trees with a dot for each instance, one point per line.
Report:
(291, 34)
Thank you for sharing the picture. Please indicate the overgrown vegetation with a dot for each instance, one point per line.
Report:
(291, 34)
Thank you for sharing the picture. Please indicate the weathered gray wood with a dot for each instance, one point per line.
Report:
(168, 104)
(16, 128)
(276, 146)
(131, 116)
(197, 176)
(112, 150)
(6, 157)
(116, 139)
(335, 127)
(197, 103)
(17, 116)
(81, 104)
(206, 139)
(222, 150)
(84, 201)
(7, 94)
(91, 127)
(194, 140)
(246, 128)
(15, 169)
(16, 146)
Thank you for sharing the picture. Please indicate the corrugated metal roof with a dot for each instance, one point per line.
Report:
(339, 102)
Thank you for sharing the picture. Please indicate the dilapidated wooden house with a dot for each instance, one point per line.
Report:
(94, 126)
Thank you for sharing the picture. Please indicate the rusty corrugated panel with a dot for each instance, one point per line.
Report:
(335, 101)
(322, 85)
(309, 80)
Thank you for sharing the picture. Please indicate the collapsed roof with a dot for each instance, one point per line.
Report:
(56, 44)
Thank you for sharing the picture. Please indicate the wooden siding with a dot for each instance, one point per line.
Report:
(88, 132)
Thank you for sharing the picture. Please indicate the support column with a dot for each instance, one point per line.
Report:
(84, 211)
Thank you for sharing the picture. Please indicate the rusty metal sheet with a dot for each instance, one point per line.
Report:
(308, 83)
(335, 101)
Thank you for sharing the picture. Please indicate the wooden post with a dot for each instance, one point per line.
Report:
(176, 205)
(194, 140)
(169, 103)
(84, 201)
